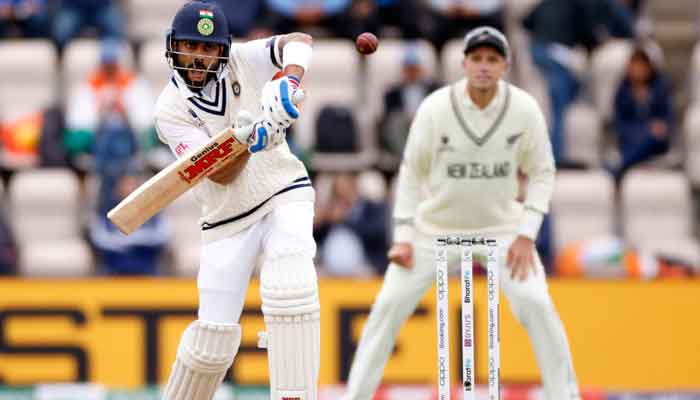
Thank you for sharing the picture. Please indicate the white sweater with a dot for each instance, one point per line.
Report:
(459, 171)
(185, 120)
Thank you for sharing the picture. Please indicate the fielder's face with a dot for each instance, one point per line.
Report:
(484, 66)
(198, 58)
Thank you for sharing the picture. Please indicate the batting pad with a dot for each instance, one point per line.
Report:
(290, 304)
(205, 353)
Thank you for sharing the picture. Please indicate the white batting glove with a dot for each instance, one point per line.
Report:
(278, 101)
(265, 136)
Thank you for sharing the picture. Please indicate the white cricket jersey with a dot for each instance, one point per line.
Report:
(459, 171)
(185, 120)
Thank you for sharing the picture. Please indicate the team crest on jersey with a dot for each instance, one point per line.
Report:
(236, 87)
(510, 140)
(445, 145)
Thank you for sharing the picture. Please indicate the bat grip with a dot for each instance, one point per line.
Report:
(298, 96)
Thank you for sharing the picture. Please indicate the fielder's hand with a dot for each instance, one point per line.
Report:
(402, 254)
(521, 258)
(279, 101)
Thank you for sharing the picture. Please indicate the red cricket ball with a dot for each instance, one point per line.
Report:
(366, 43)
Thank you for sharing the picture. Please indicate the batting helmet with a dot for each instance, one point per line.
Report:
(200, 22)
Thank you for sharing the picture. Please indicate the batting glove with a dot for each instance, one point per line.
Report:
(277, 101)
(265, 136)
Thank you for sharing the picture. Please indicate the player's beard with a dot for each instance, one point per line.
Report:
(201, 76)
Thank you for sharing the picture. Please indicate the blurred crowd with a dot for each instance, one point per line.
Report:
(102, 132)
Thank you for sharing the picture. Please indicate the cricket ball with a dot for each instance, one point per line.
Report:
(366, 43)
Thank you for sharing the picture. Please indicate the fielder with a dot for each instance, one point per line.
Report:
(459, 175)
(258, 204)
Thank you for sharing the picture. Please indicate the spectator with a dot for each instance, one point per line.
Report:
(557, 26)
(643, 113)
(24, 18)
(8, 247)
(376, 15)
(72, 16)
(351, 230)
(400, 104)
(136, 254)
(112, 102)
(290, 16)
(453, 18)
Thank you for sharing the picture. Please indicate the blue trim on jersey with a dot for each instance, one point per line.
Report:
(296, 184)
(272, 43)
(286, 101)
(204, 104)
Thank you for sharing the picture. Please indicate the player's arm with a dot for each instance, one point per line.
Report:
(280, 96)
(537, 162)
(295, 52)
(182, 137)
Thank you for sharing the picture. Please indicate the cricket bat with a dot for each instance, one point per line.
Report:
(170, 183)
(174, 180)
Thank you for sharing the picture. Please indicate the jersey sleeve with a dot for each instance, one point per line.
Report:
(413, 173)
(261, 56)
(180, 136)
(537, 162)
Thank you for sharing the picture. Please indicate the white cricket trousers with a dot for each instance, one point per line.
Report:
(402, 290)
(226, 265)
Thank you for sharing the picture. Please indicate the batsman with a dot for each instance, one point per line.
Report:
(258, 204)
(467, 146)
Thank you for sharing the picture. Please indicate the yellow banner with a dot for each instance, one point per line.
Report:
(124, 333)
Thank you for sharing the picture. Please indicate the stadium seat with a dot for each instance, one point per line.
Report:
(583, 130)
(334, 82)
(154, 66)
(82, 56)
(28, 69)
(333, 79)
(656, 206)
(150, 19)
(691, 129)
(45, 212)
(183, 220)
(582, 206)
(451, 60)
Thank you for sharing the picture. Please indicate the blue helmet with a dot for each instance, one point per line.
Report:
(200, 22)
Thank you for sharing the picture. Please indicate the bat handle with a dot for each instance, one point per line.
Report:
(298, 96)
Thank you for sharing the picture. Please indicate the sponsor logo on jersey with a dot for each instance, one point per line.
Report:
(181, 149)
(510, 140)
(476, 170)
(445, 145)
(206, 159)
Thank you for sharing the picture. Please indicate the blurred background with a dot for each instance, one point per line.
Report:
(87, 313)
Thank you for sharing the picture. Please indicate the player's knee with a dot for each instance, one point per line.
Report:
(288, 285)
(533, 306)
(208, 347)
(391, 300)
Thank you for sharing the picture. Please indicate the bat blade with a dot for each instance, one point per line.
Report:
(174, 180)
